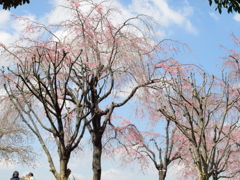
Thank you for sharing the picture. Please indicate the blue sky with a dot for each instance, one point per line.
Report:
(193, 22)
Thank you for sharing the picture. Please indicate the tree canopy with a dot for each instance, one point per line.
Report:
(15, 138)
(230, 5)
(7, 4)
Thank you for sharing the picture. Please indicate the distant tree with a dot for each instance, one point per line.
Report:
(74, 80)
(15, 138)
(161, 148)
(38, 89)
(203, 108)
(230, 5)
(8, 4)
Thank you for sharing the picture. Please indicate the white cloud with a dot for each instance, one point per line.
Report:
(160, 10)
(13, 28)
(7, 34)
(236, 17)
(5, 17)
(111, 174)
(20, 25)
(164, 14)
(59, 14)
(214, 16)
(77, 176)
(6, 37)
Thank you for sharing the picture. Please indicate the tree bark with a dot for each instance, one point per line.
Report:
(64, 171)
(215, 176)
(97, 153)
(162, 174)
(203, 176)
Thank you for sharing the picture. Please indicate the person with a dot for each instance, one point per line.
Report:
(25, 177)
(15, 175)
(31, 176)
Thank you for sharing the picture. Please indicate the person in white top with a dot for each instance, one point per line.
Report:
(31, 176)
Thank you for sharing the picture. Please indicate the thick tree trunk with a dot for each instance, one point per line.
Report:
(97, 153)
(202, 173)
(215, 177)
(64, 171)
(203, 176)
(162, 174)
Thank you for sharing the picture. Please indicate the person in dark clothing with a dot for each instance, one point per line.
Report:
(15, 175)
